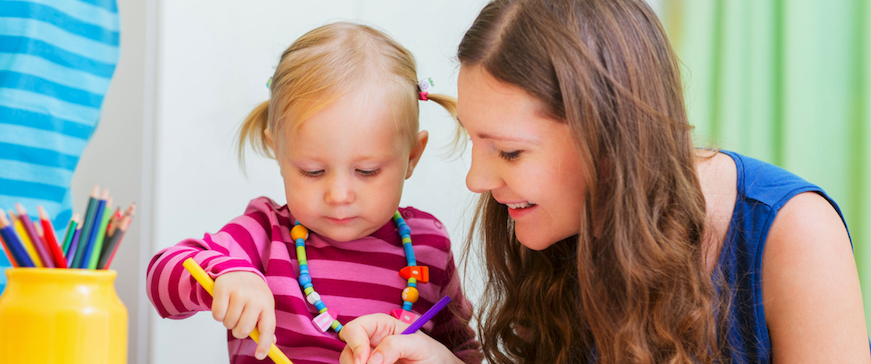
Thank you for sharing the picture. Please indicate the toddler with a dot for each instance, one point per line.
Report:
(342, 123)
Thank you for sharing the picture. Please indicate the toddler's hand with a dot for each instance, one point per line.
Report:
(242, 300)
(375, 339)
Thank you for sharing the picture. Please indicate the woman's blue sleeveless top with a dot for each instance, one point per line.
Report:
(763, 189)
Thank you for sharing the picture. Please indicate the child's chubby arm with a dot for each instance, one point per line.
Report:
(242, 301)
(240, 246)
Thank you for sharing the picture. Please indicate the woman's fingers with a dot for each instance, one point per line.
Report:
(395, 347)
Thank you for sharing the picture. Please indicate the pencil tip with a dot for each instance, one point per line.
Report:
(96, 191)
(105, 194)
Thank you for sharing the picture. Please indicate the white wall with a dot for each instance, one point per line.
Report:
(213, 59)
(117, 157)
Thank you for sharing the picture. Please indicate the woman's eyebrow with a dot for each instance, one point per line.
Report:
(500, 137)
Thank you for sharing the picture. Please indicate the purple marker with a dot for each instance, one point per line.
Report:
(428, 315)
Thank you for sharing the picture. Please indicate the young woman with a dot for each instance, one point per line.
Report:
(608, 237)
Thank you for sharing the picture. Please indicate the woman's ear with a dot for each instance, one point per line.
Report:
(416, 152)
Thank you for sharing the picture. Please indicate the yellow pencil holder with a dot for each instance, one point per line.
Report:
(70, 316)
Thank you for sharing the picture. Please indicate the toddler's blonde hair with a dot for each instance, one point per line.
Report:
(328, 63)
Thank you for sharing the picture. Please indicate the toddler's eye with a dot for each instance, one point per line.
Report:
(311, 174)
(369, 173)
(509, 156)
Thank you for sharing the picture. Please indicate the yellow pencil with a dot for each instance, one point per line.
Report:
(25, 239)
(208, 284)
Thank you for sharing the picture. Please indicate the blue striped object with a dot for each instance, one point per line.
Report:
(57, 58)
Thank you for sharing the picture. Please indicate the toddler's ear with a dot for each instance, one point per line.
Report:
(268, 134)
(416, 152)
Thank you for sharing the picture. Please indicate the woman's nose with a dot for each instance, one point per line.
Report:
(482, 177)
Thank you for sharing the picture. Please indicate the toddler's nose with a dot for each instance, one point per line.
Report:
(340, 193)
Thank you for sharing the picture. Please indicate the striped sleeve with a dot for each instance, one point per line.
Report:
(238, 246)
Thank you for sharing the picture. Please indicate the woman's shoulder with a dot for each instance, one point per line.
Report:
(766, 183)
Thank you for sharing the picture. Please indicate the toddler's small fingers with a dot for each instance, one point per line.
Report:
(266, 326)
(234, 313)
(247, 322)
(220, 301)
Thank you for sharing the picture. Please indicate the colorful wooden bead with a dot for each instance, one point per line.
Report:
(420, 273)
(304, 279)
(299, 232)
(404, 316)
(323, 321)
(313, 297)
(410, 294)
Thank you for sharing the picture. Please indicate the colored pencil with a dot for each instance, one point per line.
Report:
(25, 240)
(86, 228)
(97, 249)
(208, 284)
(51, 239)
(95, 231)
(111, 247)
(114, 221)
(428, 315)
(8, 252)
(15, 246)
(71, 230)
(71, 254)
(34, 237)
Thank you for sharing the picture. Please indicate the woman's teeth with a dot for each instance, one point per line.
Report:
(521, 205)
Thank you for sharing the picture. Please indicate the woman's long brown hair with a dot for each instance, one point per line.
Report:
(636, 290)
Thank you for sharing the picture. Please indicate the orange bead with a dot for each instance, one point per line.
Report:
(299, 232)
(420, 273)
(410, 294)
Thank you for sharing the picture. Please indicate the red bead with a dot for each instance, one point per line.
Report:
(421, 273)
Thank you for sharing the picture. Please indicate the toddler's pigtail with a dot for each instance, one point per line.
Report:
(450, 104)
(447, 102)
(252, 131)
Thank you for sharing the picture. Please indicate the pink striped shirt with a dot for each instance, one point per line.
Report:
(354, 278)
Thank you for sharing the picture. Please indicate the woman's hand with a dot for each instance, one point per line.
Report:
(376, 339)
(242, 300)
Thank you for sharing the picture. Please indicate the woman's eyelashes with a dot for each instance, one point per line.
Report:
(510, 156)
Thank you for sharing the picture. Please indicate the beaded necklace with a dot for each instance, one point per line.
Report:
(414, 274)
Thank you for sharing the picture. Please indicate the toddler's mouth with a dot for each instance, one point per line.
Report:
(341, 221)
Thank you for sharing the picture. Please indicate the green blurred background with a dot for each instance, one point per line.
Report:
(787, 82)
